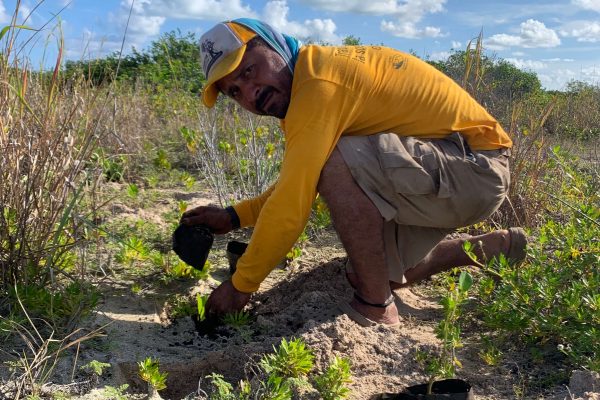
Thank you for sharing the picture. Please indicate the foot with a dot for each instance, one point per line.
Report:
(370, 316)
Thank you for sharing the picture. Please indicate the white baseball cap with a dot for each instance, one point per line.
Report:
(221, 51)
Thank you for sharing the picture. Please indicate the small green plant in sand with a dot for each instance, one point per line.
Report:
(320, 217)
(237, 319)
(442, 364)
(176, 269)
(149, 372)
(133, 190)
(180, 306)
(221, 389)
(96, 367)
(201, 300)
(283, 373)
(331, 384)
(116, 393)
(132, 250)
(291, 359)
(113, 166)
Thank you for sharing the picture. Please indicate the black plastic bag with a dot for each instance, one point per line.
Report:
(192, 244)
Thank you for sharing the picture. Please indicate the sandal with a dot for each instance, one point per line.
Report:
(360, 319)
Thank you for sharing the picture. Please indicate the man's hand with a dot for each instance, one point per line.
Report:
(226, 299)
(216, 218)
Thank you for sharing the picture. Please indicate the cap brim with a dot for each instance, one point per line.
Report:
(226, 66)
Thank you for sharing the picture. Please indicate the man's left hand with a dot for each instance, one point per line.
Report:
(226, 299)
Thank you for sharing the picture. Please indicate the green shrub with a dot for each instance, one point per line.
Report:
(552, 302)
(554, 298)
(63, 307)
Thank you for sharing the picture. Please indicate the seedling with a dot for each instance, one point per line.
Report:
(132, 190)
(201, 306)
(95, 367)
(444, 363)
(331, 385)
(237, 319)
(148, 371)
(291, 360)
(116, 393)
(181, 306)
(275, 388)
(223, 390)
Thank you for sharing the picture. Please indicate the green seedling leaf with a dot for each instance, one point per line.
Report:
(465, 281)
(148, 371)
(96, 367)
(201, 302)
(133, 190)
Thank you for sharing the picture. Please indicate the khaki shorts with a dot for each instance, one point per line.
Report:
(424, 189)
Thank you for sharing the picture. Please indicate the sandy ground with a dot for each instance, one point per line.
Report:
(299, 300)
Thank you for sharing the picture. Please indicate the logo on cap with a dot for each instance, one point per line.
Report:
(210, 55)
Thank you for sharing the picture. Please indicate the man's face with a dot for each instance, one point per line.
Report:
(262, 83)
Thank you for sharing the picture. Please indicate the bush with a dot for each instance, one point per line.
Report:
(552, 301)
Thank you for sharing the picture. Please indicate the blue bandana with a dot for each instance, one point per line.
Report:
(287, 46)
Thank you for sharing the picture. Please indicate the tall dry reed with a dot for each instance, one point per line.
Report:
(47, 134)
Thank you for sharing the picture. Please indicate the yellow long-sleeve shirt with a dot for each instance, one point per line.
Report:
(353, 90)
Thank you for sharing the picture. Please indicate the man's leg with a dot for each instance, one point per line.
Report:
(359, 225)
(449, 254)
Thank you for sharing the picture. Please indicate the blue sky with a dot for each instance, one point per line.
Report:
(559, 40)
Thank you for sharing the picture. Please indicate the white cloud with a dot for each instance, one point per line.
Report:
(276, 12)
(141, 26)
(584, 31)
(593, 5)
(92, 45)
(4, 17)
(404, 8)
(440, 56)
(456, 45)
(556, 59)
(410, 30)
(405, 14)
(409, 14)
(518, 53)
(527, 64)
(532, 34)
(558, 78)
(212, 10)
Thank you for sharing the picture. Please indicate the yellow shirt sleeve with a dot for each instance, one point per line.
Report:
(249, 210)
(311, 137)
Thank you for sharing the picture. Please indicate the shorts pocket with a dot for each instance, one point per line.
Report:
(405, 171)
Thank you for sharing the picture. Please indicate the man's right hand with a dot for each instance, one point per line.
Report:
(216, 218)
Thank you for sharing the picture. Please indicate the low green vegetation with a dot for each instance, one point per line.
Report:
(85, 150)
(551, 303)
(149, 372)
(288, 370)
(443, 362)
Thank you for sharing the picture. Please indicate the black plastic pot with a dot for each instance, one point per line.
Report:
(192, 244)
(235, 250)
(449, 389)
